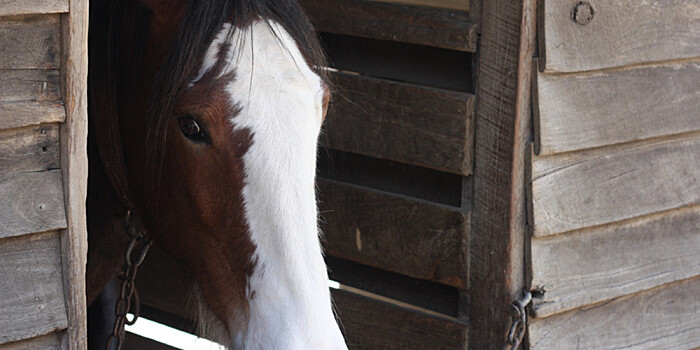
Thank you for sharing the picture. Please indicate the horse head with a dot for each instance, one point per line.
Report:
(219, 109)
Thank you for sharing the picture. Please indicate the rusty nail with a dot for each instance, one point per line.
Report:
(582, 13)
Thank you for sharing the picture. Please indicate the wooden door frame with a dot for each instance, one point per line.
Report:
(502, 131)
(74, 165)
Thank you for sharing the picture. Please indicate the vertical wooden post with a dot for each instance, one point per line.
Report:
(502, 130)
(74, 164)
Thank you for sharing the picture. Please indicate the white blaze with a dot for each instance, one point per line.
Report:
(280, 102)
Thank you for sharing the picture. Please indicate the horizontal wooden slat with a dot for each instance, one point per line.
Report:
(51, 341)
(414, 64)
(402, 122)
(16, 114)
(31, 202)
(373, 324)
(29, 149)
(408, 24)
(607, 262)
(597, 109)
(29, 42)
(617, 33)
(663, 318)
(395, 233)
(426, 295)
(29, 85)
(581, 189)
(25, 7)
(31, 286)
(448, 4)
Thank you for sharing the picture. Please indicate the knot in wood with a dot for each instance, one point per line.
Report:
(582, 13)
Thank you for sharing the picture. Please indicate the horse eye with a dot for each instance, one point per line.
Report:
(191, 129)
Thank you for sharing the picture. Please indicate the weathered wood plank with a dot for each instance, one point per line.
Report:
(390, 60)
(662, 318)
(25, 7)
(448, 4)
(31, 289)
(31, 202)
(373, 324)
(447, 29)
(580, 36)
(402, 122)
(607, 262)
(51, 341)
(74, 165)
(15, 114)
(576, 190)
(591, 110)
(29, 85)
(394, 233)
(495, 261)
(29, 149)
(30, 42)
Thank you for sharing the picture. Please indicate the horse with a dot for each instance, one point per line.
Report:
(203, 122)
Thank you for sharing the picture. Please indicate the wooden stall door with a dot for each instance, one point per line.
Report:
(43, 173)
(394, 174)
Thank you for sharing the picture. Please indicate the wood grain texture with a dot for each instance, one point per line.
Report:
(394, 233)
(16, 114)
(620, 33)
(51, 341)
(607, 262)
(29, 149)
(74, 165)
(402, 122)
(492, 279)
(390, 60)
(662, 318)
(448, 4)
(31, 202)
(372, 324)
(447, 29)
(30, 42)
(29, 85)
(609, 107)
(24, 7)
(576, 190)
(31, 290)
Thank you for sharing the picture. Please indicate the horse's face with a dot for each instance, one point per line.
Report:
(237, 199)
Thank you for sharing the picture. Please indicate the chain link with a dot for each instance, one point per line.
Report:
(139, 243)
(518, 325)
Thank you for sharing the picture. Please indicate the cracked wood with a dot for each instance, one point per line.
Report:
(31, 289)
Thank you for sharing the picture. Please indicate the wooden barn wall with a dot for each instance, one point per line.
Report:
(614, 175)
(43, 173)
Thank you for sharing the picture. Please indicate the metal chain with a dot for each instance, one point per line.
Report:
(518, 324)
(141, 241)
